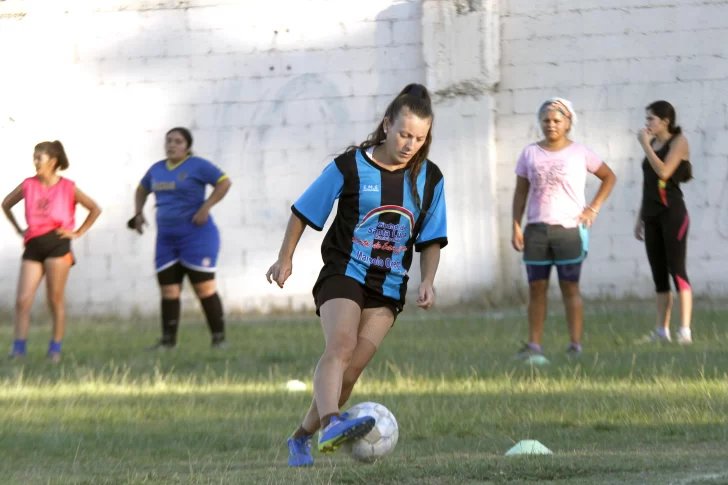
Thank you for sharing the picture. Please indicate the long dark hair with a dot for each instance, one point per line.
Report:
(416, 98)
(665, 111)
(54, 149)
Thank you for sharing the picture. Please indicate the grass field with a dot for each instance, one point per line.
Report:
(623, 413)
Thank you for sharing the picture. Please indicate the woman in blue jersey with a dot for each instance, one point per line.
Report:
(391, 201)
(188, 240)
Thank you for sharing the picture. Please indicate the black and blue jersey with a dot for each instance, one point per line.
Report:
(377, 223)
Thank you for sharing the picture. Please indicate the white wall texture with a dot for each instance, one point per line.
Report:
(272, 89)
(612, 59)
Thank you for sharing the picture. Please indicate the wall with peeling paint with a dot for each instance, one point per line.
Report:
(271, 92)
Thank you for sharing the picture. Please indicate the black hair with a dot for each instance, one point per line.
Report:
(185, 134)
(54, 149)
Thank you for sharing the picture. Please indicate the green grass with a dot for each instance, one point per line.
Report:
(623, 413)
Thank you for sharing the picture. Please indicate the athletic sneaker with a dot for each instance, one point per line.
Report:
(684, 336)
(342, 430)
(299, 451)
(53, 357)
(573, 350)
(657, 336)
(218, 342)
(161, 345)
(527, 351)
(15, 356)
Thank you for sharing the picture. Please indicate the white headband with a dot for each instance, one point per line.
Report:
(561, 105)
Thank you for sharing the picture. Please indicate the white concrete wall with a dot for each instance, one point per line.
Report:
(272, 89)
(612, 59)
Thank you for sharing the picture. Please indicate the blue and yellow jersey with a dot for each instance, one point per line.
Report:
(180, 189)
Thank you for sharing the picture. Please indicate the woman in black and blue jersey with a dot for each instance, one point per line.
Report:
(391, 201)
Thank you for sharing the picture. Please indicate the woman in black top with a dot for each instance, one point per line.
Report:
(663, 220)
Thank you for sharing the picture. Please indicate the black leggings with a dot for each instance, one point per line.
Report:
(666, 241)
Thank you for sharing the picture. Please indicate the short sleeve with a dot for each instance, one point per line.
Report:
(593, 161)
(314, 206)
(146, 182)
(522, 165)
(434, 227)
(210, 173)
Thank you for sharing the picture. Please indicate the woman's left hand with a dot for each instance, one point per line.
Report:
(66, 234)
(587, 217)
(200, 218)
(426, 296)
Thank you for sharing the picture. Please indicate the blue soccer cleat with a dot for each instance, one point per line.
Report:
(299, 451)
(342, 430)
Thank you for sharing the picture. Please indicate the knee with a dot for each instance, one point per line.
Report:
(56, 300)
(171, 292)
(341, 351)
(570, 290)
(205, 289)
(537, 290)
(23, 303)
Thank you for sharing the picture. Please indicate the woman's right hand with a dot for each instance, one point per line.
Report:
(138, 223)
(280, 271)
(639, 230)
(517, 239)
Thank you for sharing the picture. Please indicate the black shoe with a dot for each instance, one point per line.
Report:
(218, 342)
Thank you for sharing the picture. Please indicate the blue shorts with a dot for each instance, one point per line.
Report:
(195, 247)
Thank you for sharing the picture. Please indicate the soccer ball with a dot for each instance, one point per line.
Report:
(381, 440)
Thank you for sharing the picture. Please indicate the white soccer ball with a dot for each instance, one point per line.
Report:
(381, 440)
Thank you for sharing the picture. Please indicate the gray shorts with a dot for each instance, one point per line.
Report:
(547, 244)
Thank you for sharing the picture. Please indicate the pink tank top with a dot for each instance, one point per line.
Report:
(48, 208)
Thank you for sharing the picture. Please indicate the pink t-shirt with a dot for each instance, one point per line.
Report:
(557, 182)
(48, 208)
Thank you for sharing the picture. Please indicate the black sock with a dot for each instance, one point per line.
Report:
(215, 320)
(170, 320)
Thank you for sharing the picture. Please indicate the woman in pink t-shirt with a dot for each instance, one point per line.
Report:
(50, 207)
(551, 176)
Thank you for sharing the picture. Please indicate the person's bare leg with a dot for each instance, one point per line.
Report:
(574, 307)
(340, 322)
(537, 307)
(31, 274)
(57, 270)
(373, 327)
(663, 307)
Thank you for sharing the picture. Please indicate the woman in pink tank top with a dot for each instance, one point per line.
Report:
(50, 208)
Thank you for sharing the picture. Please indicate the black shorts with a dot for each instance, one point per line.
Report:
(551, 244)
(340, 286)
(46, 246)
(173, 275)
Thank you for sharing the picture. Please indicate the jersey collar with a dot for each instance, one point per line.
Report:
(171, 166)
